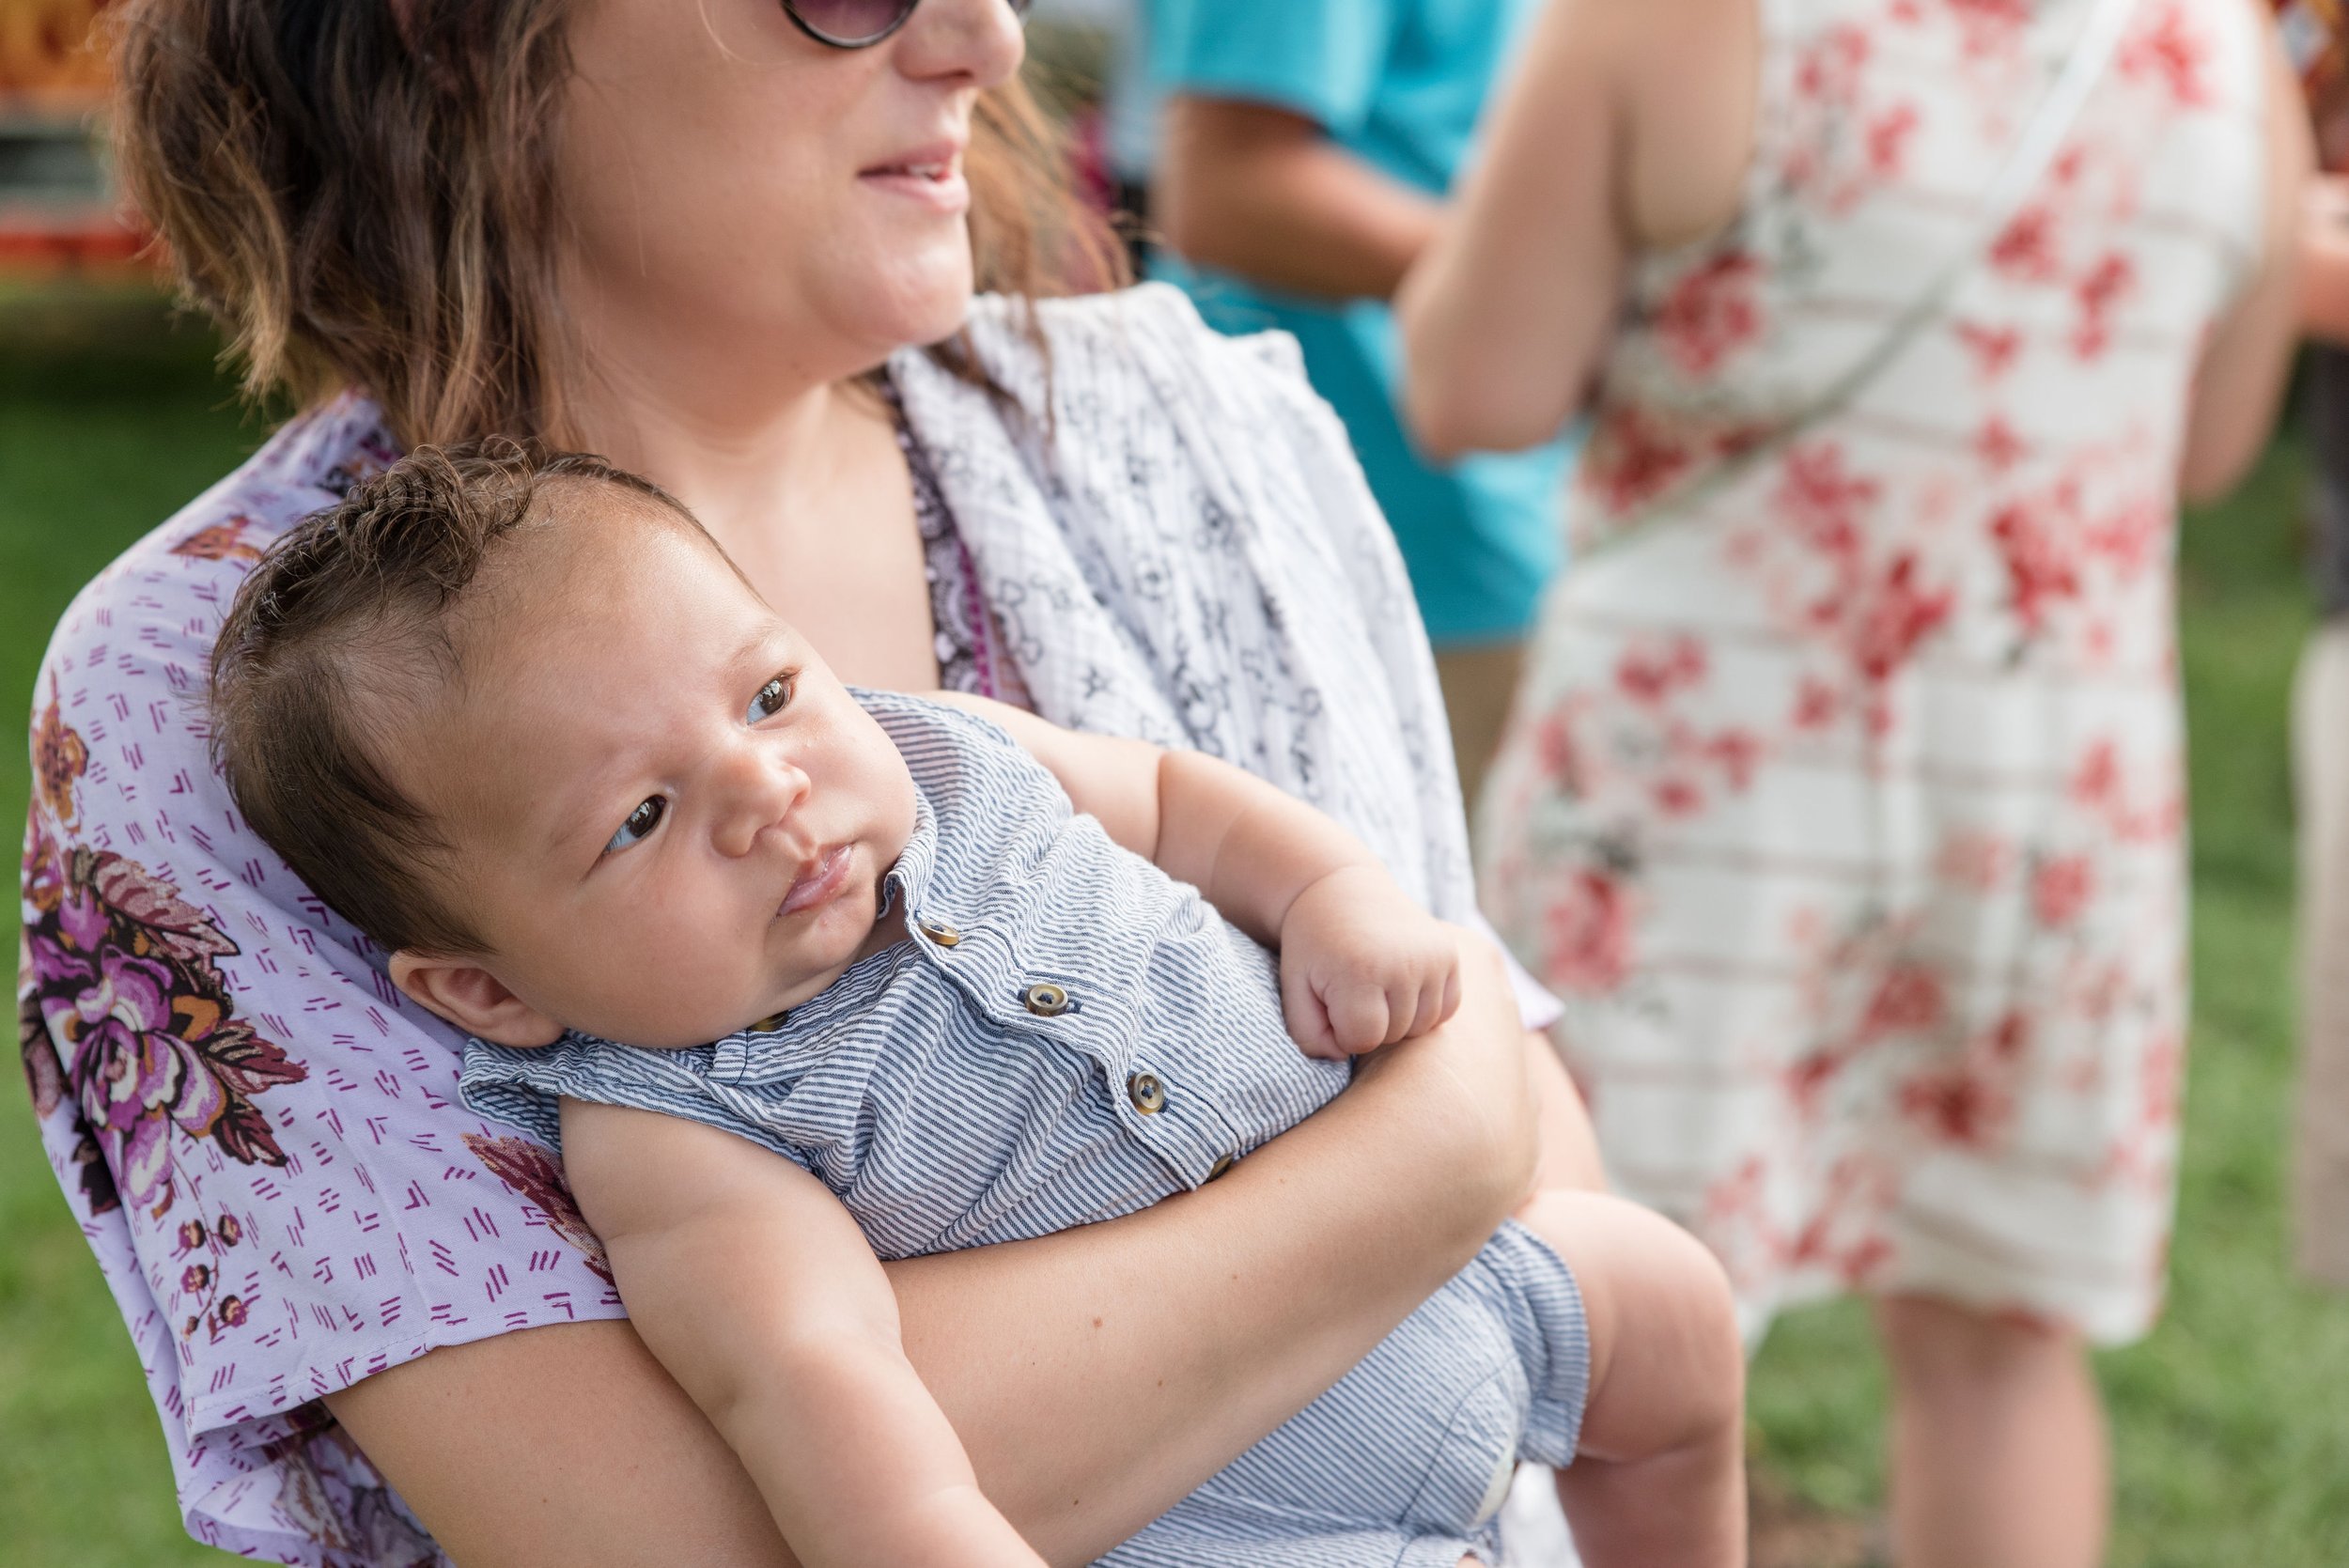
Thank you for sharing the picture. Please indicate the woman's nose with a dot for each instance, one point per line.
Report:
(978, 39)
(758, 787)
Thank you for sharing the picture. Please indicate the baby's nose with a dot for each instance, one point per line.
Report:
(762, 791)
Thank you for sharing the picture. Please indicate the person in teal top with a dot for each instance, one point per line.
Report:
(1305, 148)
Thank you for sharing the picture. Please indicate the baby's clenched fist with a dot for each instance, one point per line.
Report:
(1361, 966)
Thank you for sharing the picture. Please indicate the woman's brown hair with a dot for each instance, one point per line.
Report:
(363, 200)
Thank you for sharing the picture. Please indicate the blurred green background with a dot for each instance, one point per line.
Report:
(2232, 1423)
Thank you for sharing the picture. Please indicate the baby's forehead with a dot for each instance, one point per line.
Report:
(574, 645)
(608, 568)
(575, 523)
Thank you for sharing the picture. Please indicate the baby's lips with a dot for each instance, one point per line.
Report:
(818, 880)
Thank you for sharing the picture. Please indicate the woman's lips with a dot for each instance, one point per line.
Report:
(818, 880)
(935, 181)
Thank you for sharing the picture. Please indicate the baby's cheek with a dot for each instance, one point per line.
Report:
(682, 982)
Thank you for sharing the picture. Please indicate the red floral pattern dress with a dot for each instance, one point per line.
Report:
(1844, 801)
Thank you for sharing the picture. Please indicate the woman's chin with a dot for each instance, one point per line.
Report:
(906, 306)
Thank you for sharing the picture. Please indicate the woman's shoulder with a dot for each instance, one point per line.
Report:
(165, 595)
(120, 733)
(1148, 340)
(256, 1132)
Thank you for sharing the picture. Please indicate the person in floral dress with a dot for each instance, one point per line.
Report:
(1844, 804)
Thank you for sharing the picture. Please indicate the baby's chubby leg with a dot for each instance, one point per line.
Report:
(1659, 1476)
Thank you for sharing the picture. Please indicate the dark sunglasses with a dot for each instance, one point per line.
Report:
(861, 24)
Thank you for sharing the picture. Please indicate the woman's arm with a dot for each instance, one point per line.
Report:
(2241, 378)
(1095, 1376)
(1625, 128)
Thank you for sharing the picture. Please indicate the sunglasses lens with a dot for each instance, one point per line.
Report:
(850, 21)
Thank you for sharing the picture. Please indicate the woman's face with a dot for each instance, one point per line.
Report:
(726, 182)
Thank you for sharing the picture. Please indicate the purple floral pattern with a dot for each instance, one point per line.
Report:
(60, 758)
(218, 1072)
(327, 1487)
(121, 974)
(222, 541)
(534, 1174)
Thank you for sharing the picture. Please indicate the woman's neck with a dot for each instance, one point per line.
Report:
(744, 453)
(743, 423)
(804, 485)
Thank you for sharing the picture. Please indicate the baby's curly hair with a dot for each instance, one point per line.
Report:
(341, 629)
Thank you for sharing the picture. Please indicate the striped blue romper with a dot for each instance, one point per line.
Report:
(1069, 1036)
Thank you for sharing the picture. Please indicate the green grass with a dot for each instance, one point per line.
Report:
(108, 423)
(2231, 1429)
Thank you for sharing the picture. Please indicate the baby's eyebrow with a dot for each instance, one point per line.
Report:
(763, 644)
(570, 820)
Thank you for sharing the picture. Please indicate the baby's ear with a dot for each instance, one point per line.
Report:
(473, 998)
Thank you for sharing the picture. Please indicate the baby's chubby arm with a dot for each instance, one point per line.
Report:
(1361, 966)
(756, 1290)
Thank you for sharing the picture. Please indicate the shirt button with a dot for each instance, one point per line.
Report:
(1146, 1092)
(1044, 999)
(939, 932)
(1219, 1167)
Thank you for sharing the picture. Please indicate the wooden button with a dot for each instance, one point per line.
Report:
(939, 932)
(1146, 1092)
(772, 1022)
(1220, 1165)
(1044, 999)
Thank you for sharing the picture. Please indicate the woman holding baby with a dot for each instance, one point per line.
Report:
(708, 243)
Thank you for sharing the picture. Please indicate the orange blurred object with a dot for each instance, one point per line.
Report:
(59, 210)
(2319, 50)
(46, 51)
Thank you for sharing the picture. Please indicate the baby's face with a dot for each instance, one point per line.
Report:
(669, 818)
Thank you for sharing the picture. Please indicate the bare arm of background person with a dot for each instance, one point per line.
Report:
(2240, 382)
(1625, 128)
(1265, 193)
(2324, 238)
(1095, 1376)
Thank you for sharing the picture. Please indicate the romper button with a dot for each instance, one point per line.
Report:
(939, 932)
(1044, 999)
(1219, 1167)
(1147, 1094)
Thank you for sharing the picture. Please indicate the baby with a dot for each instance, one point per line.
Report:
(973, 977)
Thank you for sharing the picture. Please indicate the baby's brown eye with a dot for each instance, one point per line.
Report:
(640, 823)
(771, 700)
